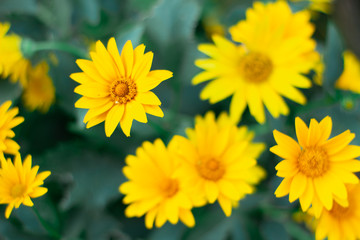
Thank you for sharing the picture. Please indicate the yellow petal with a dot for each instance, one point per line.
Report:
(137, 111)
(126, 122)
(127, 57)
(297, 187)
(148, 98)
(153, 110)
(301, 131)
(323, 191)
(113, 118)
(211, 190)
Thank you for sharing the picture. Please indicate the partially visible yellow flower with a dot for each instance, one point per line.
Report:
(12, 62)
(318, 5)
(341, 222)
(276, 50)
(39, 92)
(315, 169)
(19, 182)
(117, 88)
(219, 160)
(8, 120)
(154, 188)
(350, 78)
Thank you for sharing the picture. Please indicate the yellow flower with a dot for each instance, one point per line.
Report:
(19, 182)
(39, 92)
(7, 122)
(341, 222)
(350, 78)
(276, 49)
(316, 168)
(116, 88)
(154, 188)
(12, 62)
(318, 5)
(219, 160)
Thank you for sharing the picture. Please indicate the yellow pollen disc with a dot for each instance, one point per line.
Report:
(210, 169)
(313, 162)
(339, 211)
(256, 67)
(170, 187)
(17, 190)
(123, 91)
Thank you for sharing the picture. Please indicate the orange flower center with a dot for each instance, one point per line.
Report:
(339, 211)
(17, 190)
(170, 187)
(256, 67)
(210, 169)
(122, 91)
(313, 162)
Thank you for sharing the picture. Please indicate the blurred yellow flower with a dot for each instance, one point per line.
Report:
(213, 27)
(154, 187)
(316, 169)
(318, 5)
(276, 49)
(12, 62)
(219, 160)
(39, 92)
(7, 122)
(350, 78)
(19, 182)
(116, 88)
(341, 222)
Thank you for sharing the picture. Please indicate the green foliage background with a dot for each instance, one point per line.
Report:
(83, 201)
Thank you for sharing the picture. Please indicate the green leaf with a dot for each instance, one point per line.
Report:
(18, 6)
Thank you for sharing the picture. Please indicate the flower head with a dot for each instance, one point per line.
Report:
(116, 88)
(8, 120)
(19, 182)
(154, 188)
(261, 70)
(219, 160)
(39, 92)
(12, 61)
(350, 78)
(341, 222)
(316, 168)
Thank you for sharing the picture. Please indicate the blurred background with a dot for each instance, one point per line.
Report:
(83, 201)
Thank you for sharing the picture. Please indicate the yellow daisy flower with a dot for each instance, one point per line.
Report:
(316, 168)
(19, 182)
(116, 88)
(341, 222)
(350, 78)
(7, 122)
(219, 160)
(261, 70)
(154, 188)
(12, 62)
(39, 92)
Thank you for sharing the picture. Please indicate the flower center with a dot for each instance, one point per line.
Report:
(18, 190)
(170, 187)
(210, 169)
(313, 162)
(122, 91)
(256, 67)
(339, 211)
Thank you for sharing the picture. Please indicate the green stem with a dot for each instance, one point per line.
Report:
(50, 229)
(29, 47)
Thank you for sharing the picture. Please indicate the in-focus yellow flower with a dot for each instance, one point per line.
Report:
(276, 49)
(8, 120)
(316, 168)
(154, 187)
(116, 88)
(341, 222)
(350, 78)
(12, 62)
(318, 5)
(39, 92)
(19, 182)
(219, 160)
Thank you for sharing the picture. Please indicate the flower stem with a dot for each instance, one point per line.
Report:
(50, 229)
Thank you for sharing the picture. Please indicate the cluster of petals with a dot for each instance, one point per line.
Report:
(260, 71)
(116, 88)
(216, 162)
(19, 182)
